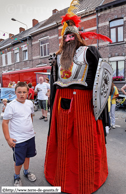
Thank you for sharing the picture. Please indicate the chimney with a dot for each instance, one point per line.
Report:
(54, 11)
(21, 29)
(34, 22)
(1, 39)
(10, 35)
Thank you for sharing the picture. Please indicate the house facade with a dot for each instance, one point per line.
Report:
(112, 22)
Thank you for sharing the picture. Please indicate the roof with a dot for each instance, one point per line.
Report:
(55, 17)
(107, 1)
(110, 4)
(19, 36)
(89, 5)
(85, 7)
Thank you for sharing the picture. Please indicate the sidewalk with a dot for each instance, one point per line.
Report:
(120, 113)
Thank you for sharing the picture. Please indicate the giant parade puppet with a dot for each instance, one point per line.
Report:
(80, 85)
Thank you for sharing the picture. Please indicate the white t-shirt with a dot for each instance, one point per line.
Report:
(42, 90)
(20, 122)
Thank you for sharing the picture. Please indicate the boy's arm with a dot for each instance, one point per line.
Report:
(10, 141)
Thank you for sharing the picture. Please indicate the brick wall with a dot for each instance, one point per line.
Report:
(53, 46)
(105, 17)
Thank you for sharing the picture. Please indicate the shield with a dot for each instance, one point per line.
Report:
(102, 87)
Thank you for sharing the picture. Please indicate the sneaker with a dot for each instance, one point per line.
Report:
(17, 182)
(30, 176)
(113, 126)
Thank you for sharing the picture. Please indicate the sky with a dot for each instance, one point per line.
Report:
(24, 11)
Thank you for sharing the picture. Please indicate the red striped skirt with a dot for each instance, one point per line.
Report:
(76, 154)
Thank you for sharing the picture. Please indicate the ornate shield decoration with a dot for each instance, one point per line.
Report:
(102, 87)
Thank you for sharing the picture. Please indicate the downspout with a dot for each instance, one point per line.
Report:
(97, 29)
(57, 33)
(97, 24)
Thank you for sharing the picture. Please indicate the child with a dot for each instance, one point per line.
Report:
(31, 92)
(3, 106)
(19, 133)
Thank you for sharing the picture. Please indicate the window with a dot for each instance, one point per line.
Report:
(44, 47)
(9, 58)
(25, 55)
(118, 68)
(16, 52)
(17, 57)
(116, 30)
(3, 59)
(25, 52)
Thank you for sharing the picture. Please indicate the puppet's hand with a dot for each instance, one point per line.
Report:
(107, 129)
(52, 59)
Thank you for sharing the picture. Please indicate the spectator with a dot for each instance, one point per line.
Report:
(19, 133)
(47, 80)
(13, 84)
(31, 92)
(114, 94)
(48, 93)
(123, 89)
(3, 106)
(42, 88)
(10, 84)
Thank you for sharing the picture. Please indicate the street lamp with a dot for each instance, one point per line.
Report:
(13, 19)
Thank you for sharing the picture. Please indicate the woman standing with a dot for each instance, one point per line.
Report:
(114, 94)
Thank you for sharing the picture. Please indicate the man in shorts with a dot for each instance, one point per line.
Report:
(42, 89)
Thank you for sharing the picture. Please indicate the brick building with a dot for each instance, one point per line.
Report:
(112, 22)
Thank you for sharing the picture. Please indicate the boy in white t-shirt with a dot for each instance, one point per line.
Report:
(19, 133)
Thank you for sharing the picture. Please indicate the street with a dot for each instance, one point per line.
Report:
(116, 152)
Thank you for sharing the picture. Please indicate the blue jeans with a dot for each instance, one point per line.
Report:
(112, 112)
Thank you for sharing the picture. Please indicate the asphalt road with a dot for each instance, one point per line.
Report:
(116, 152)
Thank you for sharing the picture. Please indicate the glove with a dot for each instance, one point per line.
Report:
(107, 129)
(52, 59)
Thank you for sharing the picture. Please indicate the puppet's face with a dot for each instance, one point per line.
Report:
(69, 37)
(68, 50)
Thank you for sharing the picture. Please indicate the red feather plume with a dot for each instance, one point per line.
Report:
(91, 35)
(75, 19)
